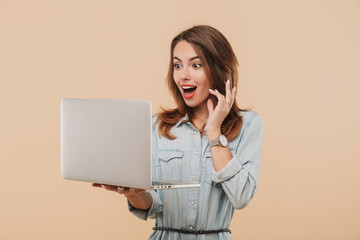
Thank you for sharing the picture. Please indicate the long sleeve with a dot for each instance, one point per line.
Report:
(239, 177)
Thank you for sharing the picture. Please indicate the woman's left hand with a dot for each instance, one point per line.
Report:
(222, 109)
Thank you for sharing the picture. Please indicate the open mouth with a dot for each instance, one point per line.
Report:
(188, 91)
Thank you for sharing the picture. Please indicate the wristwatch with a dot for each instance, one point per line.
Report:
(221, 140)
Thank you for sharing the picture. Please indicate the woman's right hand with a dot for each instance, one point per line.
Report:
(128, 192)
(138, 198)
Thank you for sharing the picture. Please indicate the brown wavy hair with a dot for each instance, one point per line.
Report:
(220, 64)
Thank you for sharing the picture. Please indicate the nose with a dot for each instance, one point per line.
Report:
(185, 73)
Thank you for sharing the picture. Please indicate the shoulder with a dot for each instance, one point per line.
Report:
(249, 115)
(155, 117)
(251, 118)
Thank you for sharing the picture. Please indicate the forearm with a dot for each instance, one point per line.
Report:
(142, 201)
(221, 156)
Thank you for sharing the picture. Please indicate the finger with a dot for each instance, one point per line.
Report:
(228, 94)
(139, 190)
(220, 97)
(215, 93)
(120, 190)
(233, 94)
(212, 92)
(110, 187)
(131, 191)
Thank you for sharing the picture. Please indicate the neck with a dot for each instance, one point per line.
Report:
(200, 112)
(199, 116)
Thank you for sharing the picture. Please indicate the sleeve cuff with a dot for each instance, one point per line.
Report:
(156, 207)
(232, 168)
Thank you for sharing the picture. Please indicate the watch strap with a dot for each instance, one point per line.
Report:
(214, 142)
(217, 141)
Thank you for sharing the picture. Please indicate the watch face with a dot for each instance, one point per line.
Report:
(223, 141)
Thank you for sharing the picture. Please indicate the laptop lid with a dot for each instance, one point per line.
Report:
(106, 141)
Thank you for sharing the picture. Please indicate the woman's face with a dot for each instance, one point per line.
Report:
(189, 75)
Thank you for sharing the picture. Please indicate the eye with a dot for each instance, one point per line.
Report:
(197, 65)
(177, 65)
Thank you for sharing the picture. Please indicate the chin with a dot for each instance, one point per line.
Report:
(193, 104)
(190, 104)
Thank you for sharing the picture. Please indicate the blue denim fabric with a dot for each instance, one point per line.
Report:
(188, 158)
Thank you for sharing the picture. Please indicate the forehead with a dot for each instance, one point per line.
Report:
(184, 50)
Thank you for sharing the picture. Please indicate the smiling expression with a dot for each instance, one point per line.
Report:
(189, 75)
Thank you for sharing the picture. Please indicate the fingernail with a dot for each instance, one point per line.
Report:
(228, 81)
(103, 186)
(235, 88)
(216, 90)
(210, 89)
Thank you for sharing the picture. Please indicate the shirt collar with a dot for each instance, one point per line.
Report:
(185, 119)
(182, 120)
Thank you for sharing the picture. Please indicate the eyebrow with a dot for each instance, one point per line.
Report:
(176, 58)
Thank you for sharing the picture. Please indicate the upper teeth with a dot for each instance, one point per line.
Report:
(187, 87)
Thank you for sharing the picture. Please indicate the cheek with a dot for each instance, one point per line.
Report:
(177, 83)
(205, 81)
(200, 76)
(176, 78)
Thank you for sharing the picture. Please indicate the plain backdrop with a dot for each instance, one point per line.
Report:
(299, 65)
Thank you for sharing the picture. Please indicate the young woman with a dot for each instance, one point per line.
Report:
(207, 139)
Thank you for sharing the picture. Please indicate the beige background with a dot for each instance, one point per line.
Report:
(299, 68)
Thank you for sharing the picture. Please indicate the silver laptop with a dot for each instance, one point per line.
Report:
(108, 141)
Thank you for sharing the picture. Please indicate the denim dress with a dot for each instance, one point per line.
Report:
(188, 158)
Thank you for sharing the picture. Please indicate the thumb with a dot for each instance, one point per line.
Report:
(210, 106)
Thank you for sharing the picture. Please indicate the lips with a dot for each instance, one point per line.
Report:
(188, 90)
